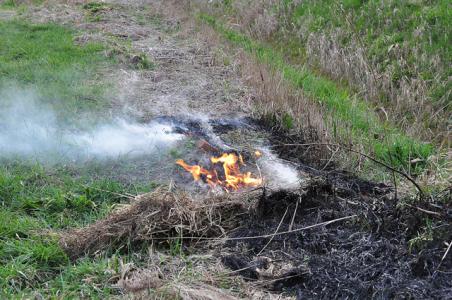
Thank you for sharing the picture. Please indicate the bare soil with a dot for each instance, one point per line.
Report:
(186, 76)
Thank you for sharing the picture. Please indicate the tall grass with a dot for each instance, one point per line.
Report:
(385, 141)
(394, 54)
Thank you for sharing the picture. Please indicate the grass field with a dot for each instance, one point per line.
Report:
(395, 55)
(43, 58)
(35, 198)
(416, 27)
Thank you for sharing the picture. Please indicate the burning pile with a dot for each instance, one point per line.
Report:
(232, 179)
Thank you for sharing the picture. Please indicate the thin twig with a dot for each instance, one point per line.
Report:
(444, 256)
(447, 251)
(262, 236)
(421, 192)
(276, 231)
(294, 214)
(434, 213)
(265, 282)
(329, 160)
(394, 179)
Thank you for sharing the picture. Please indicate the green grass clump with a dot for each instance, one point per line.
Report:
(44, 57)
(94, 7)
(94, 10)
(386, 142)
(16, 4)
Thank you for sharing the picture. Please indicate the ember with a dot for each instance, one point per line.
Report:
(232, 179)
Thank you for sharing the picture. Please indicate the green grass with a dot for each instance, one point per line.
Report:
(384, 141)
(44, 58)
(94, 7)
(36, 199)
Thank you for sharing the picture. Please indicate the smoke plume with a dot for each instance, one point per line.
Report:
(30, 128)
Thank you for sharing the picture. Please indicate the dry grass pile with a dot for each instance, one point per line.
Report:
(159, 216)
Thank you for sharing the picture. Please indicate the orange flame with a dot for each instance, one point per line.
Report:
(233, 178)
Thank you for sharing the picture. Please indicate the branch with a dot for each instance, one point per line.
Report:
(408, 177)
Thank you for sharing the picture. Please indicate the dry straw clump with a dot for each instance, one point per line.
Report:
(159, 216)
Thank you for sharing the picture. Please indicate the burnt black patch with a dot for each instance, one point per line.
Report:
(366, 257)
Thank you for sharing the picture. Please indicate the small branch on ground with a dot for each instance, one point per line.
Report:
(408, 177)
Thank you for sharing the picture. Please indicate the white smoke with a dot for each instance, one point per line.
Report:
(30, 129)
(125, 138)
(277, 173)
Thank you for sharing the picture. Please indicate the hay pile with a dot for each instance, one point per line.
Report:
(157, 216)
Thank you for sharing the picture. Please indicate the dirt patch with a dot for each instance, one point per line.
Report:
(165, 68)
(7, 15)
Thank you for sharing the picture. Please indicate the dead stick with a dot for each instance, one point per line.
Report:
(394, 179)
(294, 214)
(442, 259)
(265, 235)
(276, 231)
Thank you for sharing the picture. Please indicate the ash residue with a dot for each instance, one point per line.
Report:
(365, 257)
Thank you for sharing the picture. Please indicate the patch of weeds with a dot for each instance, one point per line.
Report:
(142, 62)
(16, 3)
(175, 153)
(95, 7)
(9, 4)
(287, 121)
(94, 10)
(175, 247)
(88, 278)
(422, 238)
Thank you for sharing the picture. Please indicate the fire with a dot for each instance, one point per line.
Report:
(233, 177)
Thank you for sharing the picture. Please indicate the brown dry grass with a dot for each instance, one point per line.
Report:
(409, 106)
(157, 216)
(161, 217)
(280, 104)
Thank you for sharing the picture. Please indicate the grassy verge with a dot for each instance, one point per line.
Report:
(36, 200)
(394, 54)
(44, 58)
(362, 124)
